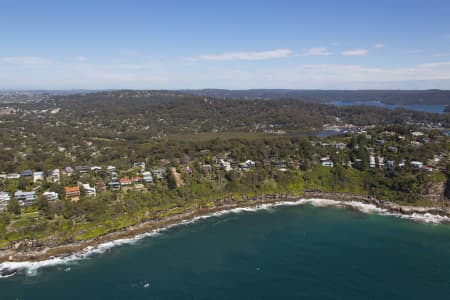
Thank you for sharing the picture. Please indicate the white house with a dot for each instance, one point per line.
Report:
(88, 190)
(381, 162)
(55, 175)
(25, 198)
(13, 176)
(147, 177)
(372, 163)
(38, 176)
(226, 165)
(326, 162)
(159, 173)
(416, 164)
(140, 165)
(4, 200)
(50, 196)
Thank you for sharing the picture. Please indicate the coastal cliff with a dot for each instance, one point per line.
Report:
(36, 250)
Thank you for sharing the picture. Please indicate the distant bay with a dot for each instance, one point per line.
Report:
(417, 107)
(298, 252)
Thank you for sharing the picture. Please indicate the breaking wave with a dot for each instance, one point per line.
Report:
(30, 268)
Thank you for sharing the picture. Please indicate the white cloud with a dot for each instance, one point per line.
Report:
(251, 55)
(441, 54)
(171, 74)
(128, 52)
(81, 58)
(355, 52)
(414, 51)
(439, 64)
(25, 60)
(316, 51)
(378, 46)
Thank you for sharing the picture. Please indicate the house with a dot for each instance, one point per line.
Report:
(402, 163)
(69, 171)
(380, 142)
(340, 146)
(426, 169)
(372, 162)
(234, 164)
(4, 200)
(371, 150)
(96, 169)
(72, 193)
(417, 133)
(12, 176)
(25, 198)
(159, 173)
(55, 176)
(26, 173)
(38, 176)
(381, 162)
(136, 179)
(147, 177)
(140, 165)
(225, 165)
(326, 162)
(125, 181)
(250, 163)
(139, 186)
(88, 190)
(110, 169)
(347, 164)
(390, 164)
(392, 149)
(244, 167)
(50, 196)
(82, 169)
(416, 164)
(281, 165)
(114, 184)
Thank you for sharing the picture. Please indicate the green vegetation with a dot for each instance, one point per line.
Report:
(211, 150)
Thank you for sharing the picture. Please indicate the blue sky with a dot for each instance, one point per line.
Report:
(172, 44)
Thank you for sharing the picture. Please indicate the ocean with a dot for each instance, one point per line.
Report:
(286, 252)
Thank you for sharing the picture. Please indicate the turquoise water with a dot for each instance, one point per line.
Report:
(418, 107)
(300, 252)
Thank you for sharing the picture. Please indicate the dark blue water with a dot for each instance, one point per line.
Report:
(286, 253)
(417, 107)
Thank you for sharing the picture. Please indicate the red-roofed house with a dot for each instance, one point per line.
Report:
(72, 193)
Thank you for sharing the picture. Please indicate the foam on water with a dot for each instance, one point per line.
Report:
(31, 268)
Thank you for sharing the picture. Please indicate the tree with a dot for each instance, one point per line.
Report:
(44, 206)
(13, 207)
(171, 180)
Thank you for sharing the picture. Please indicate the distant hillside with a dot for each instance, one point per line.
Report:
(398, 97)
(174, 112)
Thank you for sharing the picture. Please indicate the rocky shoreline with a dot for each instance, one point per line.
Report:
(32, 253)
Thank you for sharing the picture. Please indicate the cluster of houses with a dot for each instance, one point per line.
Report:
(28, 198)
(376, 160)
(142, 176)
